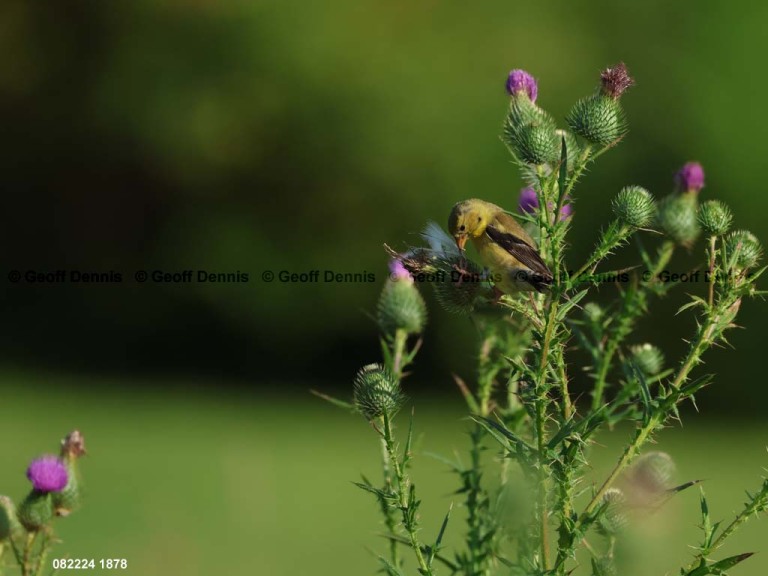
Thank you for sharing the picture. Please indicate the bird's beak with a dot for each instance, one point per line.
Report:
(461, 241)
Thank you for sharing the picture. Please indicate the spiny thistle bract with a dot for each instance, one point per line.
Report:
(376, 392)
(36, 511)
(744, 248)
(521, 397)
(715, 217)
(599, 119)
(634, 206)
(523, 111)
(534, 143)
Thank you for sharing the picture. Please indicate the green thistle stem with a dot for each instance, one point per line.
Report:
(580, 165)
(542, 488)
(398, 353)
(477, 548)
(403, 488)
(757, 503)
(610, 239)
(44, 550)
(26, 567)
(712, 253)
(401, 338)
(563, 378)
(632, 308)
(629, 453)
(705, 337)
(389, 514)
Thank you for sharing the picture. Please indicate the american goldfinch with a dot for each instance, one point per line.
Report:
(504, 247)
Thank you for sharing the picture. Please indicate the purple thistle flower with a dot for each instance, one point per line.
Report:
(528, 200)
(690, 178)
(47, 474)
(521, 81)
(529, 203)
(616, 80)
(397, 271)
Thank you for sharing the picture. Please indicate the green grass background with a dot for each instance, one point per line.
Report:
(205, 483)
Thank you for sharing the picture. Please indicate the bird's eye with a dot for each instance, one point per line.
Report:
(462, 228)
(479, 218)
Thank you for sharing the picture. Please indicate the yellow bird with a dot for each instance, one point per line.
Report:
(505, 248)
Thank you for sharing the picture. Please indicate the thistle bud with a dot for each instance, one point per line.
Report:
(648, 358)
(715, 218)
(36, 511)
(604, 567)
(652, 472)
(677, 217)
(376, 392)
(401, 306)
(593, 312)
(744, 248)
(534, 142)
(521, 112)
(459, 285)
(614, 518)
(690, 178)
(599, 119)
(68, 498)
(9, 523)
(634, 206)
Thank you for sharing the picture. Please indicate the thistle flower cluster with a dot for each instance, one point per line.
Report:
(55, 492)
(520, 397)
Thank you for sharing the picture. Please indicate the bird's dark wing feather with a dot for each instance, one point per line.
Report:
(521, 250)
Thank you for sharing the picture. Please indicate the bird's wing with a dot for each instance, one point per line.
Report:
(520, 249)
(439, 241)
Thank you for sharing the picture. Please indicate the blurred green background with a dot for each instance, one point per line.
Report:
(270, 136)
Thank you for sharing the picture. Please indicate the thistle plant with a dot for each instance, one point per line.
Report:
(26, 530)
(531, 511)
